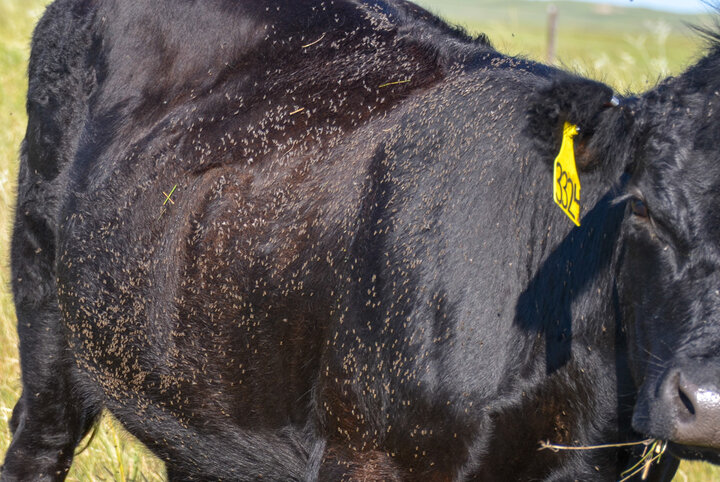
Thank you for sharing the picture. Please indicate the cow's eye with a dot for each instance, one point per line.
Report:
(638, 208)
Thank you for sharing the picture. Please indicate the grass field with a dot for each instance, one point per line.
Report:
(628, 48)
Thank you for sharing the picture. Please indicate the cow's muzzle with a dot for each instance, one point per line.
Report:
(684, 408)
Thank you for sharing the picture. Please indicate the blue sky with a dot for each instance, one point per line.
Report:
(680, 6)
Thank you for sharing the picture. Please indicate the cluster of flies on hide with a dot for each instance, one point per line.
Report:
(653, 449)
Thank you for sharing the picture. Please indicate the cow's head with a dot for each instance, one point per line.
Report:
(669, 280)
(668, 142)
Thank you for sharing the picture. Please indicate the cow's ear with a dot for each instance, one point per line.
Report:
(589, 105)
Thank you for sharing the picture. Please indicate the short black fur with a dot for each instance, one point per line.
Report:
(316, 241)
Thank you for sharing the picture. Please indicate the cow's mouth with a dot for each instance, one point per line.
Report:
(684, 409)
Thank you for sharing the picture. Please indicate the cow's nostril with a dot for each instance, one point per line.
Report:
(685, 410)
(697, 413)
(687, 403)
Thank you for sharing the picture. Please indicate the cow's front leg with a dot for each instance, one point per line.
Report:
(51, 416)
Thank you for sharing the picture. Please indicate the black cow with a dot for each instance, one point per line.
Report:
(316, 240)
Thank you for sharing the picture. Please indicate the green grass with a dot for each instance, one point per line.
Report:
(14, 32)
(628, 48)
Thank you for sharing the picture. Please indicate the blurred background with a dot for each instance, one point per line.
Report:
(624, 42)
(629, 44)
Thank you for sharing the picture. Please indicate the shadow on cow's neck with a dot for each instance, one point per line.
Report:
(557, 298)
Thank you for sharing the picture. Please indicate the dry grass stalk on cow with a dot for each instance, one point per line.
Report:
(113, 455)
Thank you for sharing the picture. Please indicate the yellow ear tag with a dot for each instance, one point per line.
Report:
(566, 185)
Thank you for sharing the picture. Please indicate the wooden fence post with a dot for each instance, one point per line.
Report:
(551, 33)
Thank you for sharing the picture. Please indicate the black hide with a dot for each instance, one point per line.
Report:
(316, 241)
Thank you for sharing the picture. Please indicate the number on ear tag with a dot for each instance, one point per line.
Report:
(566, 185)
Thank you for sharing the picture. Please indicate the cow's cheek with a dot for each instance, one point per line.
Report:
(642, 298)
